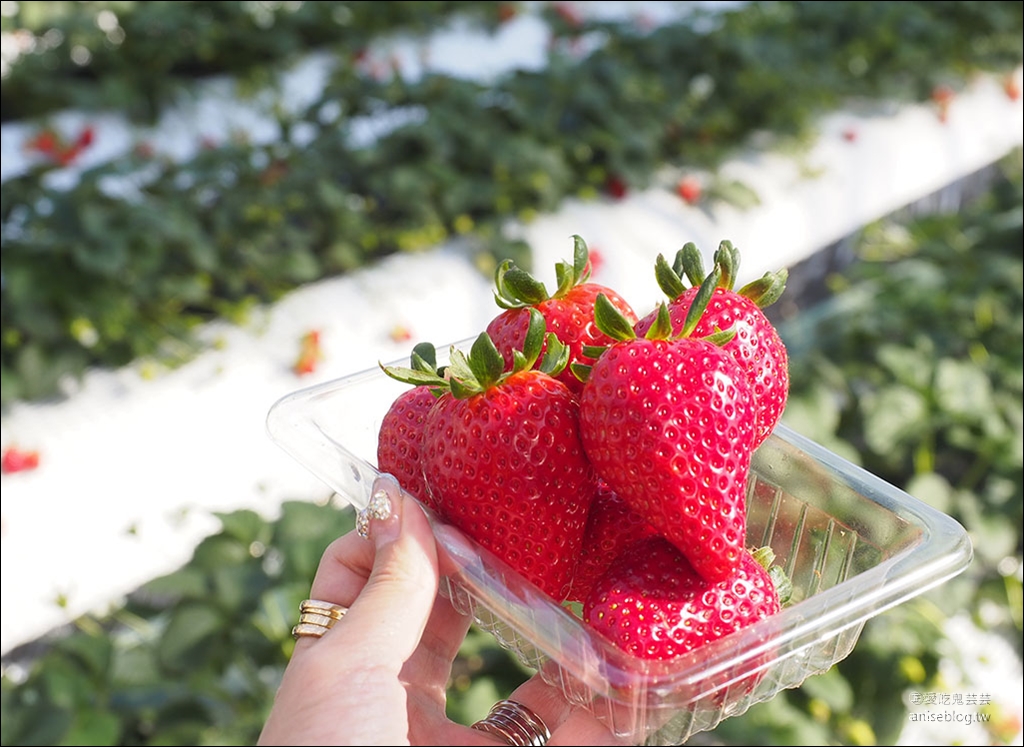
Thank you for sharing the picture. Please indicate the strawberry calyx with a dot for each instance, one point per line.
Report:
(422, 369)
(688, 264)
(765, 557)
(614, 324)
(515, 288)
(483, 367)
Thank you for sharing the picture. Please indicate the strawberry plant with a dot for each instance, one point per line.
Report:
(241, 221)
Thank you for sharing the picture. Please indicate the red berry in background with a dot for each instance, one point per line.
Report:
(85, 138)
(45, 142)
(596, 262)
(310, 353)
(690, 190)
(400, 333)
(850, 135)
(569, 13)
(616, 187)
(18, 460)
(1012, 87)
(942, 97)
(506, 12)
(942, 94)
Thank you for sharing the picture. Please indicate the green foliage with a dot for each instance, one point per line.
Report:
(136, 58)
(126, 263)
(191, 659)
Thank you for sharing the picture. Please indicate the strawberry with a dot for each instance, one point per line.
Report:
(310, 353)
(652, 604)
(690, 190)
(668, 422)
(18, 460)
(400, 436)
(611, 527)
(503, 459)
(616, 187)
(1011, 86)
(756, 345)
(568, 312)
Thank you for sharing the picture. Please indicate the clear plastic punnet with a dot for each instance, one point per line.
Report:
(852, 544)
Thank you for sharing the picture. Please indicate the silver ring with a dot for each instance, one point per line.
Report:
(516, 724)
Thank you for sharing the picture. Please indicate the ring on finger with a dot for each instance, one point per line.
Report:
(516, 724)
(316, 618)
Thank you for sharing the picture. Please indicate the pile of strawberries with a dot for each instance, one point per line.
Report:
(605, 456)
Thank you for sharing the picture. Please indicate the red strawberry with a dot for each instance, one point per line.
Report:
(668, 422)
(506, 12)
(616, 187)
(942, 97)
(1011, 86)
(611, 527)
(310, 353)
(18, 460)
(689, 189)
(652, 604)
(45, 141)
(568, 312)
(400, 436)
(503, 458)
(756, 346)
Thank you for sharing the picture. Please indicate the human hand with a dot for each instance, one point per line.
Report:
(380, 674)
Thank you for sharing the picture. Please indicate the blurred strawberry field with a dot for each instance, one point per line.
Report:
(110, 260)
(908, 361)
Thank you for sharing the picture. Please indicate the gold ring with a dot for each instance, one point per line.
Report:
(323, 608)
(516, 724)
(316, 618)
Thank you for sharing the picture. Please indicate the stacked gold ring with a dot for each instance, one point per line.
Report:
(317, 617)
(516, 724)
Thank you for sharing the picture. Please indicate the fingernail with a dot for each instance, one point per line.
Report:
(385, 521)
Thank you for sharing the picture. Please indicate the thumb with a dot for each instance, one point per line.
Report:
(390, 613)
